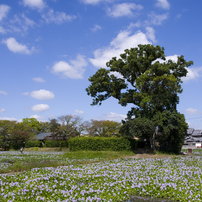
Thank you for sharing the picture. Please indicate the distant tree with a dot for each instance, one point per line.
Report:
(67, 126)
(143, 77)
(18, 139)
(6, 128)
(32, 123)
(103, 128)
(45, 127)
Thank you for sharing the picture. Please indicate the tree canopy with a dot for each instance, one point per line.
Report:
(141, 76)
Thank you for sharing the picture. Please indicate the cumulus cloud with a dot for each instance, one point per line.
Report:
(93, 2)
(3, 92)
(34, 4)
(192, 111)
(151, 34)
(193, 73)
(156, 19)
(96, 27)
(124, 40)
(163, 4)
(74, 70)
(39, 118)
(8, 118)
(114, 117)
(16, 47)
(4, 9)
(40, 108)
(57, 17)
(38, 79)
(124, 9)
(42, 95)
(2, 110)
(79, 111)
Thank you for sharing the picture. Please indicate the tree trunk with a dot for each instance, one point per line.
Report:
(152, 141)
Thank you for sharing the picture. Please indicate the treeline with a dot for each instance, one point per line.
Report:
(15, 134)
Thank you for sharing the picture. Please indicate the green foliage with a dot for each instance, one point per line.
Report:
(172, 131)
(100, 144)
(6, 128)
(56, 143)
(32, 123)
(104, 128)
(149, 82)
(33, 143)
(18, 139)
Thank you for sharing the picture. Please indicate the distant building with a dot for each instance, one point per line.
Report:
(42, 136)
(194, 137)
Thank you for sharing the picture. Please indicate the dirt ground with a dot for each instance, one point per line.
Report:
(142, 153)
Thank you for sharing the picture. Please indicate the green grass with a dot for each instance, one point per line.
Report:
(27, 161)
(102, 155)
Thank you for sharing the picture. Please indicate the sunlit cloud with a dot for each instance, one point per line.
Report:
(123, 9)
(40, 108)
(124, 40)
(16, 47)
(42, 95)
(163, 4)
(74, 70)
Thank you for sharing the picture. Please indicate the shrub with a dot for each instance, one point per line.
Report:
(33, 143)
(56, 143)
(100, 144)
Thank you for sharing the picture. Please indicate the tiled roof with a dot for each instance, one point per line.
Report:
(41, 136)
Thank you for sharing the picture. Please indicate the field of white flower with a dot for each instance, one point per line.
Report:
(178, 178)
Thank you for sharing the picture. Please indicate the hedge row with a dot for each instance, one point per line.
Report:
(33, 143)
(101, 144)
(56, 143)
(48, 143)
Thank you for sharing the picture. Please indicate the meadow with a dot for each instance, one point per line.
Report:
(98, 176)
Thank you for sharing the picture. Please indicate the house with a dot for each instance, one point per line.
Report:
(194, 137)
(42, 136)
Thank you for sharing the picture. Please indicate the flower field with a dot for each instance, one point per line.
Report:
(178, 178)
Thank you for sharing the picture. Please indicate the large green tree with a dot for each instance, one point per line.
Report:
(144, 79)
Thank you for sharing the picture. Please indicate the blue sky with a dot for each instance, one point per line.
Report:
(49, 48)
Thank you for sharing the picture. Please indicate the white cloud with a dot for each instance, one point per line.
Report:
(7, 118)
(193, 73)
(57, 17)
(79, 111)
(40, 108)
(4, 9)
(42, 95)
(114, 117)
(16, 47)
(155, 19)
(39, 118)
(163, 4)
(73, 71)
(3, 92)
(21, 23)
(124, 40)
(2, 30)
(93, 2)
(192, 111)
(151, 34)
(96, 27)
(38, 79)
(124, 9)
(174, 58)
(2, 110)
(35, 4)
